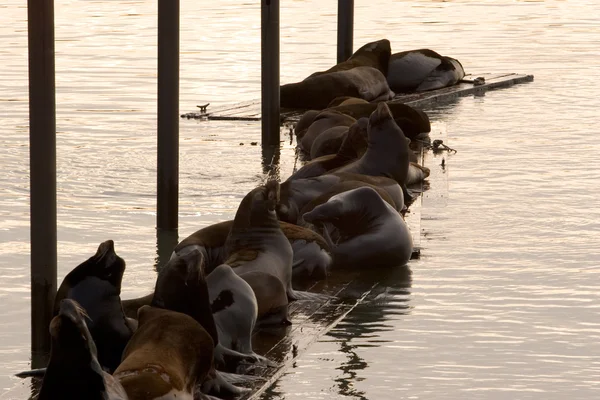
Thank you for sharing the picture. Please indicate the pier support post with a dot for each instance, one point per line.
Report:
(345, 29)
(270, 109)
(168, 115)
(42, 159)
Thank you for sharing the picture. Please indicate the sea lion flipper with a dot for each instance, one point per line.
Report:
(38, 372)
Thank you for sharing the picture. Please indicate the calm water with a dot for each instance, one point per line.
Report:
(505, 300)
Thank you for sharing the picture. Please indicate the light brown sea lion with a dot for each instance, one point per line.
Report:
(96, 285)
(310, 251)
(74, 371)
(353, 146)
(413, 122)
(322, 122)
(316, 92)
(373, 233)
(421, 70)
(295, 194)
(304, 122)
(345, 100)
(388, 152)
(167, 358)
(374, 54)
(416, 173)
(328, 142)
(256, 242)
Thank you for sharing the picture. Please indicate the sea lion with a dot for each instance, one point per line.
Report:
(96, 285)
(345, 100)
(413, 122)
(416, 173)
(304, 122)
(316, 92)
(74, 371)
(296, 193)
(167, 358)
(373, 234)
(353, 146)
(328, 142)
(256, 242)
(322, 122)
(310, 251)
(388, 152)
(374, 54)
(183, 287)
(421, 70)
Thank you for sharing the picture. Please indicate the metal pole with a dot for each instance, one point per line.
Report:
(42, 159)
(270, 72)
(345, 29)
(168, 114)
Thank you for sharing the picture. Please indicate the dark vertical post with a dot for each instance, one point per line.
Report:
(42, 160)
(345, 29)
(270, 72)
(168, 114)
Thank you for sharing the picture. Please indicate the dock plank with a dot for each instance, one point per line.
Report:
(250, 110)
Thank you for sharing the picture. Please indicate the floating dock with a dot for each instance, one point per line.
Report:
(250, 110)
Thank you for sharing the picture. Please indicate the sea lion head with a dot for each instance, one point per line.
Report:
(70, 333)
(382, 50)
(105, 265)
(258, 207)
(74, 363)
(356, 142)
(181, 286)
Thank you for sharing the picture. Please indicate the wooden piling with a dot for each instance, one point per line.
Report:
(270, 72)
(345, 30)
(42, 159)
(168, 115)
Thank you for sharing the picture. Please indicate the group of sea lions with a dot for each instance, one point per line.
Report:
(191, 337)
(374, 74)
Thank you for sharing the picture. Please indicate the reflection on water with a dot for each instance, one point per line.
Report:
(504, 299)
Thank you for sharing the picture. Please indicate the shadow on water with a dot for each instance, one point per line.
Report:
(390, 296)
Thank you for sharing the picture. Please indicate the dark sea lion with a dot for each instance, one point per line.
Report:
(310, 251)
(96, 285)
(296, 193)
(74, 372)
(304, 122)
(373, 234)
(328, 142)
(209, 241)
(353, 146)
(316, 92)
(167, 358)
(322, 122)
(413, 122)
(183, 287)
(421, 70)
(388, 152)
(374, 54)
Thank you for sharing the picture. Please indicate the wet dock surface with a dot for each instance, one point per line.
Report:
(250, 110)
